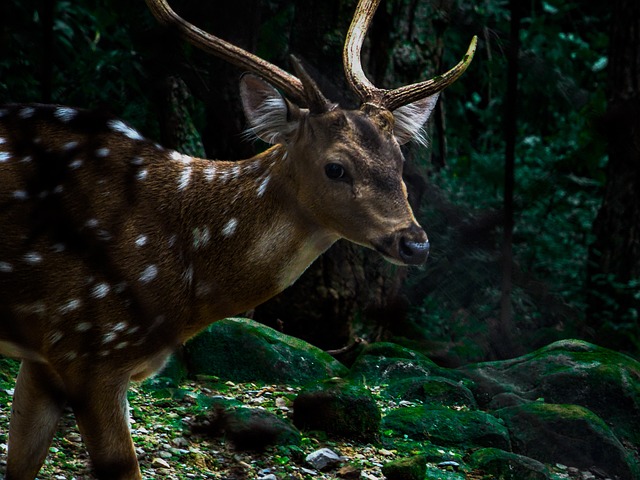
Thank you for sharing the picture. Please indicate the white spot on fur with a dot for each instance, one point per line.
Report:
(141, 241)
(65, 114)
(185, 178)
(75, 164)
(142, 174)
(119, 327)
(209, 172)
(6, 267)
(91, 223)
(70, 145)
(137, 161)
(2, 140)
(101, 290)
(263, 186)
(109, 337)
(32, 258)
(55, 337)
(20, 195)
(26, 112)
(83, 327)
(102, 152)
(4, 157)
(149, 274)
(70, 306)
(26, 159)
(121, 127)
(121, 345)
(230, 227)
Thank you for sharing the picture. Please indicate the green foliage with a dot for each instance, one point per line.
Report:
(94, 62)
(559, 175)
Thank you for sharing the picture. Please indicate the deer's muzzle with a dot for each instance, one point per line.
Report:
(409, 246)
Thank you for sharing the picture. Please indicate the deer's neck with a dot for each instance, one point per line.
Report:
(241, 227)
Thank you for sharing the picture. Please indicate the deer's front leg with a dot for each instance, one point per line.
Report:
(38, 402)
(102, 412)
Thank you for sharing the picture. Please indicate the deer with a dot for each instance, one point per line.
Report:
(114, 251)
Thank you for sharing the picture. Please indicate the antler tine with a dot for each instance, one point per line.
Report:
(289, 84)
(390, 99)
(398, 97)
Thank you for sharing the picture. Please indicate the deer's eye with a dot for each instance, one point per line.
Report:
(334, 171)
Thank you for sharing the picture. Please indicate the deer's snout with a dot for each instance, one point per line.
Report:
(409, 246)
(413, 246)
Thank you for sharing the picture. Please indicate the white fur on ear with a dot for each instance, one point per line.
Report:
(270, 117)
(410, 120)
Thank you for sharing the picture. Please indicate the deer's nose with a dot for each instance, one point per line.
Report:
(414, 246)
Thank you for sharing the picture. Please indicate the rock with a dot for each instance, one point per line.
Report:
(159, 462)
(567, 434)
(447, 427)
(349, 472)
(324, 459)
(383, 362)
(567, 372)
(432, 390)
(411, 468)
(247, 428)
(508, 466)
(338, 408)
(242, 350)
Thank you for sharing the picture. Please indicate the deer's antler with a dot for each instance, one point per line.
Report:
(390, 99)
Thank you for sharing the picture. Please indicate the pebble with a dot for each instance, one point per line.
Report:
(324, 459)
(159, 462)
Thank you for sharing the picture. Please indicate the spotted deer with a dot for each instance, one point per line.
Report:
(115, 250)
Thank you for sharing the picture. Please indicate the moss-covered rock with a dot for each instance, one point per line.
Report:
(382, 363)
(568, 372)
(339, 408)
(410, 468)
(508, 466)
(247, 428)
(432, 390)
(568, 434)
(447, 427)
(242, 350)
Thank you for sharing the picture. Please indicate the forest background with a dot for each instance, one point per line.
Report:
(530, 190)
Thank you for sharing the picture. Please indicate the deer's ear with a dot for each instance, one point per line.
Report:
(410, 120)
(271, 117)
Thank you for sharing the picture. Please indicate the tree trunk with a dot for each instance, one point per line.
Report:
(614, 263)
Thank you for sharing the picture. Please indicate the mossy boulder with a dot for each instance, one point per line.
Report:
(567, 434)
(251, 429)
(567, 372)
(507, 465)
(447, 427)
(382, 363)
(339, 408)
(432, 390)
(242, 350)
(410, 468)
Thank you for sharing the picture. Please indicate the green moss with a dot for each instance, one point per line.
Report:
(411, 468)
(447, 427)
(242, 350)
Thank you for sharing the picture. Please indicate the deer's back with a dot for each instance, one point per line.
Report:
(79, 275)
